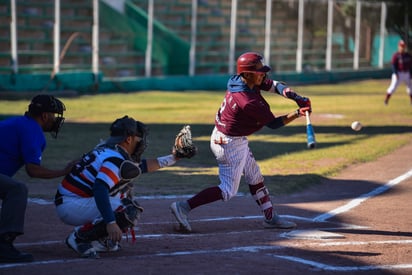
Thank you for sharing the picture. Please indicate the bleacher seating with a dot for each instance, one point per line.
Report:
(119, 58)
(35, 21)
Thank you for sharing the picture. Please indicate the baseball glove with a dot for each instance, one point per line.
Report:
(184, 147)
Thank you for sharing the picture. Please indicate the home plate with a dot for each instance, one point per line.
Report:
(312, 234)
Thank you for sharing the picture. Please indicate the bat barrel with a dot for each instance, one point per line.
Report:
(310, 134)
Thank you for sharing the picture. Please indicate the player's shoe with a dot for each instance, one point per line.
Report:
(83, 248)
(277, 222)
(180, 211)
(105, 245)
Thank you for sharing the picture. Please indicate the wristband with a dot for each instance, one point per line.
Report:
(297, 113)
(166, 161)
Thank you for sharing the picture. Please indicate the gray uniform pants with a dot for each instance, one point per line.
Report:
(14, 201)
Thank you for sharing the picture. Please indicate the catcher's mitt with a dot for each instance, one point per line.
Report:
(184, 147)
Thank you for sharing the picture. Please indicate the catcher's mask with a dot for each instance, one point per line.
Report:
(124, 127)
(251, 62)
(48, 104)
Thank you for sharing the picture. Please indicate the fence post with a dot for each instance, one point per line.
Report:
(193, 36)
(328, 63)
(233, 15)
(299, 50)
(13, 37)
(95, 42)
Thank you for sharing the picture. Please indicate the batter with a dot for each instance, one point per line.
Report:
(243, 112)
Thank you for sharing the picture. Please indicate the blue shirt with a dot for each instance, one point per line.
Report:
(22, 141)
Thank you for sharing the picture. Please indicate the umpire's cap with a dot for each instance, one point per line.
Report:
(46, 104)
(124, 127)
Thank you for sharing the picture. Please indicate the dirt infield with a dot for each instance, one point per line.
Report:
(356, 223)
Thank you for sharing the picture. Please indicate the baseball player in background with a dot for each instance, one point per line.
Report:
(401, 71)
(243, 112)
(96, 196)
(22, 144)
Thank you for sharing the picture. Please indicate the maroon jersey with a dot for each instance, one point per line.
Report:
(243, 110)
(401, 62)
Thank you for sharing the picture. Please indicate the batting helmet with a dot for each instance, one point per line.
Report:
(251, 62)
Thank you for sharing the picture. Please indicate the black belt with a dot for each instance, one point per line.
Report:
(58, 199)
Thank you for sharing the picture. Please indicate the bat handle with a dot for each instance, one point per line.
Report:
(307, 117)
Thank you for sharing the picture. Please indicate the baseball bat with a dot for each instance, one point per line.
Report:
(310, 133)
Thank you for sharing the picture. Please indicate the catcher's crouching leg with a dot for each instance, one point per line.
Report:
(126, 215)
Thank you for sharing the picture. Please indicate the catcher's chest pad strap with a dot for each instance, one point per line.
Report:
(262, 198)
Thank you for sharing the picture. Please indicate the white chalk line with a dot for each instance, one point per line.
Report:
(162, 236)
(321, 218)
(356, 202)
(244, 249)
(327, 267)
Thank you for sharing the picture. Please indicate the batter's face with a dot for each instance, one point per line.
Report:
(254, 79)
(259, 77)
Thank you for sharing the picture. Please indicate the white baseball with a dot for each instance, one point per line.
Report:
(356, 126)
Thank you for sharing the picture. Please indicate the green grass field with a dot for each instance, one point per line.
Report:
(288, 166)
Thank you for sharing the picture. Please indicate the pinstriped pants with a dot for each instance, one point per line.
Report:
(234, 159)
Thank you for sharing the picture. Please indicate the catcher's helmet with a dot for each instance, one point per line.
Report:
(126, 126)
(251, 62)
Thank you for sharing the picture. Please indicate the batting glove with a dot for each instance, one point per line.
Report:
(302, 111)
(303, 102)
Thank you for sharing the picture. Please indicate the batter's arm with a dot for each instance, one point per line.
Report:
(283, 120)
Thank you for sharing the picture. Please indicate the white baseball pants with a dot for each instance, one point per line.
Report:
(404, 77)
(234, 158)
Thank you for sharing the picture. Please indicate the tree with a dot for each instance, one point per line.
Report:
(399, 18)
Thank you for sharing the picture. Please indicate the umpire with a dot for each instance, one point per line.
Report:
(22, 143)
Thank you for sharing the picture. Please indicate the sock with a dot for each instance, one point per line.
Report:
(387, 98)
(262, 198)
(205, 196)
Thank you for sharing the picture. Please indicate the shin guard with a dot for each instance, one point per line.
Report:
(262, 198)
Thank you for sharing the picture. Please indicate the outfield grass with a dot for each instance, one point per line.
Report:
(285, 161)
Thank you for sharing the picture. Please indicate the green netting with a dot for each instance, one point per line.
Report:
(170, 51)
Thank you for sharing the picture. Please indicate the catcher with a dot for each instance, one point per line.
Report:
(96, 197)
